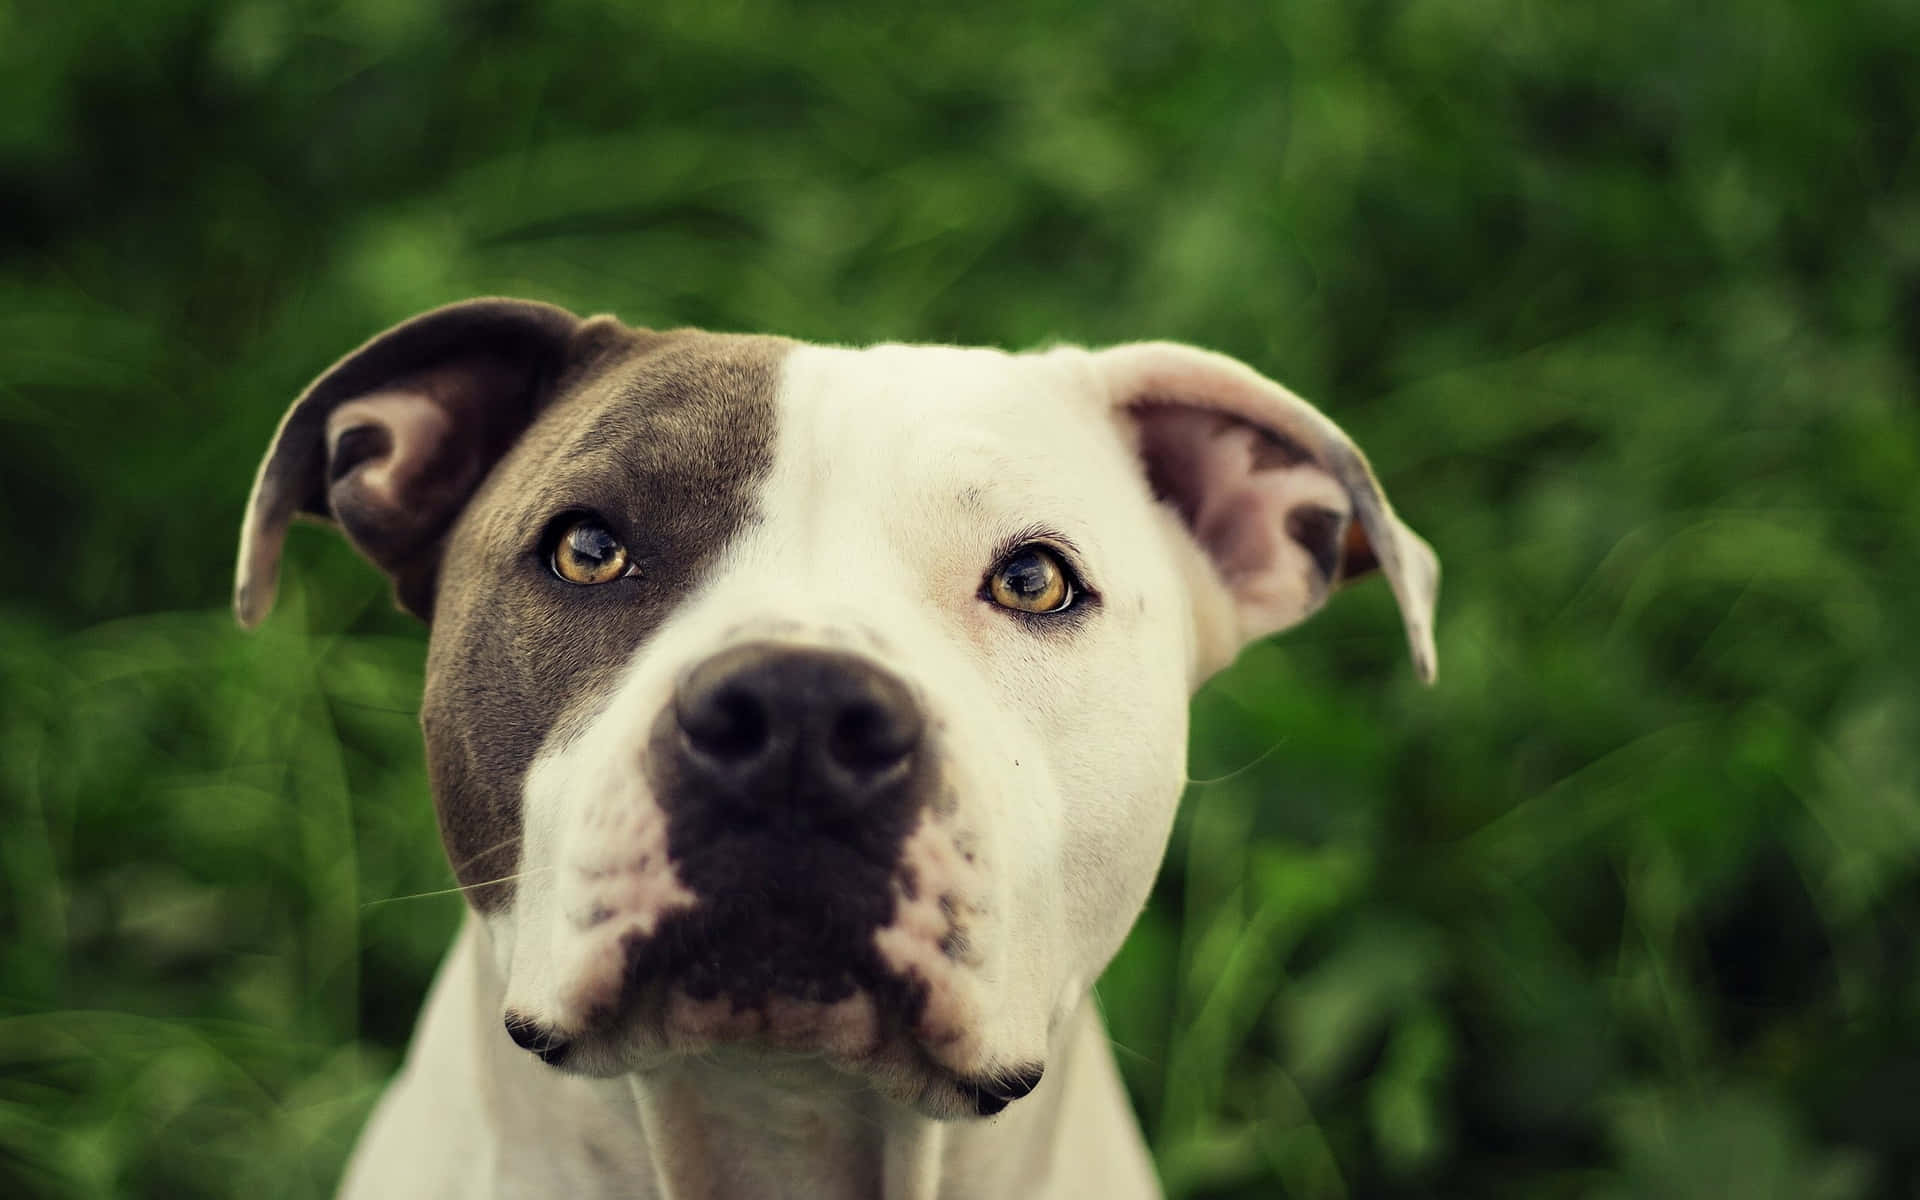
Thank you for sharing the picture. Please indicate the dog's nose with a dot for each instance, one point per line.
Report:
(762, 724)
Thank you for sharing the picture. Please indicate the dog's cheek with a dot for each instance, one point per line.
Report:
(1121, 769)
(596, 870)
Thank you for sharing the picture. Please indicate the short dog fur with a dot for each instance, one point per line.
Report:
(805, 726)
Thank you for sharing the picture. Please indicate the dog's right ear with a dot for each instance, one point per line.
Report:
(391, 441)
(1273, 492)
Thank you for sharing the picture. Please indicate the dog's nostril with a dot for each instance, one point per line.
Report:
(871, 735)
(793, 730)
(726, 723)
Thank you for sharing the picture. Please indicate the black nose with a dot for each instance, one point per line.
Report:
(822, 731)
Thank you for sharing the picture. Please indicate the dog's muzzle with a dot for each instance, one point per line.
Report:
(800, 886)
(789, 777)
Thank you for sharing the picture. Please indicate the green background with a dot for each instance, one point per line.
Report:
(1623, 301)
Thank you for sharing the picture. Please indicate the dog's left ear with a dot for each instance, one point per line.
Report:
(1279, 498)
(391, 441)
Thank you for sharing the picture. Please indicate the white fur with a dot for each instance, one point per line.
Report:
(899, 473)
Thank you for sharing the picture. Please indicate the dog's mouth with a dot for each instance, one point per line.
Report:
(872, 1026)
(850, 1034)
(785, 963)
(806, 947)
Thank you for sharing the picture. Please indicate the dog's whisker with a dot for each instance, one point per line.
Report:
(458, 889)
(481, 855)
(1136, 1055)
(1238, 771)
(383, 900)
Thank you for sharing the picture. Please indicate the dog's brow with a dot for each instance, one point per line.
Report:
(608, 429)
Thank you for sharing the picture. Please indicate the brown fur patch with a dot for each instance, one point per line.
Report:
(664, 436)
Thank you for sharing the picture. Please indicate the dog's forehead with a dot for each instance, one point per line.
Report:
(668, 414)
(790, 431)
(648, 425)
(931, 398)
(921, 436)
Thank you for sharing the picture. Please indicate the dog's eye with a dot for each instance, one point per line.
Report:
(587, 553)
(1031, 580)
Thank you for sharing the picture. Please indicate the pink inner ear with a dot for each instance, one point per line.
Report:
(416, 431)
(400, 464)
(1242, 492)
(1238, 533)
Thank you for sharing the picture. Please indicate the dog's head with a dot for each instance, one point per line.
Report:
(816, 699)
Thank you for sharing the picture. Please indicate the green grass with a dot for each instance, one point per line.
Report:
(1623, 301)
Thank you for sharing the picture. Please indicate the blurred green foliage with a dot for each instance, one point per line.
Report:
(1623, 300)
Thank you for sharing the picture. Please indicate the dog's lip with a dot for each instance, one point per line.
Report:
(848, 1020)
(936, 1089)
(868, 1020)
(543, 1042)
(993, 1093)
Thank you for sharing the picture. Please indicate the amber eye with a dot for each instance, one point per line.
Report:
(1031, 580)
(587, 553)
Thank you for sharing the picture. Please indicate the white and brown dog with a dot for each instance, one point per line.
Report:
(805, 725)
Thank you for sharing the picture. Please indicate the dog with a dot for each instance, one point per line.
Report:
(805, 726)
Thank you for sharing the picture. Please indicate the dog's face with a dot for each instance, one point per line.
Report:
(812, 699)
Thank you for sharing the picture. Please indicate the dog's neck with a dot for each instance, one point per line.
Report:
(714, 1127)
(725, 1128)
